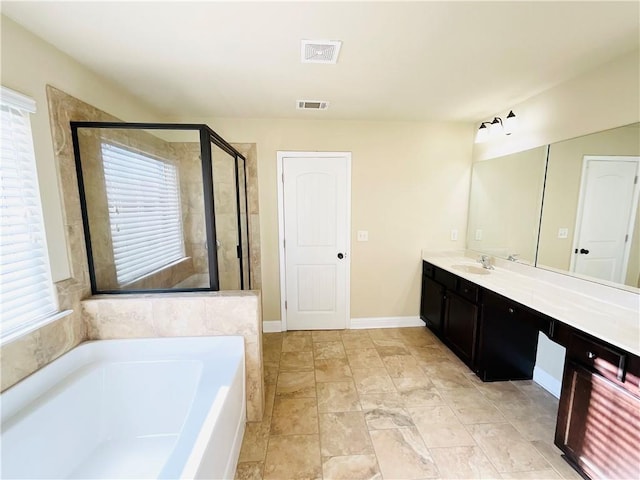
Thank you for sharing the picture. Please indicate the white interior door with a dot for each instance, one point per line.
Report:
(609, 198)
(315, 240)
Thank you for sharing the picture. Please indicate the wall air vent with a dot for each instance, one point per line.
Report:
(320, 51)
(312, 105)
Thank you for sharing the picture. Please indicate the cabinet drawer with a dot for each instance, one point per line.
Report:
(502, 304)
(445, 278)
(468, 290)
(427, 269)
(601, 358)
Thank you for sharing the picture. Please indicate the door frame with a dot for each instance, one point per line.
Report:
(581, 200)
(281, 155)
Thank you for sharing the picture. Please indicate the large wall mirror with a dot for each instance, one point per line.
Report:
(590, 224)
(504, 206)
(587, 222)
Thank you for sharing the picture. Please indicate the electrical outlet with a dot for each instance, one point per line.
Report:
(478, 234)
(363, 235)
(563, 233)
(454, 234)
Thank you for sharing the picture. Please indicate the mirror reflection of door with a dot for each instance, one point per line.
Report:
(606, 217)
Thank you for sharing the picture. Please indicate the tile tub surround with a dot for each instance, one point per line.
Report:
(32, 351)
(339, 407)
(186, 314)
(607, 313)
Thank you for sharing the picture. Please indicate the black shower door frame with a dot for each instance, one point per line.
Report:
(207, 136)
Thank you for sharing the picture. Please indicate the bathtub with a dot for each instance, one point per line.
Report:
(140, 408)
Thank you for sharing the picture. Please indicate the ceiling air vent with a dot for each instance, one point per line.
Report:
(320, 51)
(312, 105)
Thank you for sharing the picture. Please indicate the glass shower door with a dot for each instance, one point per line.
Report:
(243, 220)
(225, 201)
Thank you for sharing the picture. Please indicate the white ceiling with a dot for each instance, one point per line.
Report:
(459, 61)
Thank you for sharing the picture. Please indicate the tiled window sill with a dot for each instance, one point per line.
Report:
(32, 327)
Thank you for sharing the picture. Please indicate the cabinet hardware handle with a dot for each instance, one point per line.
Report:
(591, 355)
(511, 310)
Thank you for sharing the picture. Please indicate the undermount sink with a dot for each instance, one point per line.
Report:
(471, 269)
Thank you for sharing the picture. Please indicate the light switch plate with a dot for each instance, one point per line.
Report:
(563, 233)
(363, 235)
(478, 234)
(454, 234)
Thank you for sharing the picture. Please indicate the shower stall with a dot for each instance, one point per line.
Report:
(164, 207)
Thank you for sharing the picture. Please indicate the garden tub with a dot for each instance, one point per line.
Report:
(138, 408)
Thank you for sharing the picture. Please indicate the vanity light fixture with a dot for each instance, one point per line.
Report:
(492, 129)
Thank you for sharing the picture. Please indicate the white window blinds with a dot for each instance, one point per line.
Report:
(143, 196)
(26, 289)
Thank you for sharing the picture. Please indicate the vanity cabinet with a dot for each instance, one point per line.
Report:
(495, 336)
(598, 423)
(448, 307)
(598, 427)
(508, 339)
(431, 300)
(460, 326)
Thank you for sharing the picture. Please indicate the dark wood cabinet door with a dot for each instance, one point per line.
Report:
(598, 425)
(431, 304)
(508, 340)
(460, 326)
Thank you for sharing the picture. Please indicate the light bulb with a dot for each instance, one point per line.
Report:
(510, 123)
(483, 133)
(495, 128)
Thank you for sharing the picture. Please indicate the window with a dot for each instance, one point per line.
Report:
(26, 289)
(143, 196)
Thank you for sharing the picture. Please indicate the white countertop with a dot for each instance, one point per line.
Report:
(595, 315)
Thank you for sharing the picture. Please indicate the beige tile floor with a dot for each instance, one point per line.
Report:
(393, 404)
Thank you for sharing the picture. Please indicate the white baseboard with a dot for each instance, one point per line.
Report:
(546, 381)
(386, 322)
(271, 326)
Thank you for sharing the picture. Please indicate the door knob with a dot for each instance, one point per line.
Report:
(341, 256)
(584, 251)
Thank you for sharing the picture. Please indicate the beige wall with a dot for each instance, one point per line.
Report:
(410, 185)
(28, 65)
(604, 98)
(563, 190)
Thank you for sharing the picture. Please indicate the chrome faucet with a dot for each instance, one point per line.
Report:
(485, 260)
(513, 257)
